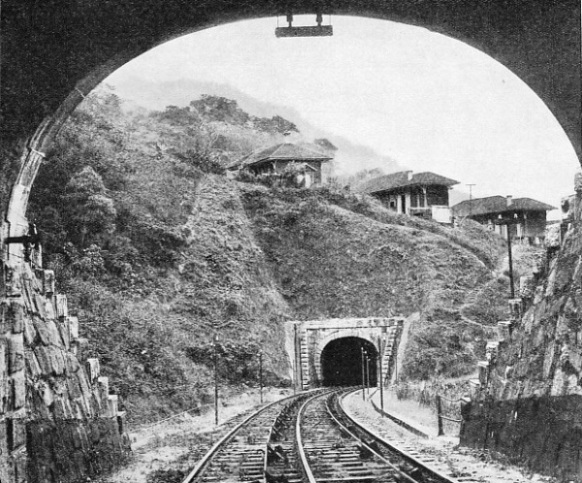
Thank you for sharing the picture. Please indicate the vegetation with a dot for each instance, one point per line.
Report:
(159, 252)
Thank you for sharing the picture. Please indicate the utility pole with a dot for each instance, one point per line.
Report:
(512, 288)
(295, 371)
(508, 221)
(363, 374)
(381, 352)
(261, 375)
(368, 374)
(215, 380)
(470, 185)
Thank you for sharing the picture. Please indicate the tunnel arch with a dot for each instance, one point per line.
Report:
(343, 362)
(523, 36)
(336, 335)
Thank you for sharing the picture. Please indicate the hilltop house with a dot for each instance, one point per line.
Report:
(528, 217)
(421, 194)
(274, 159)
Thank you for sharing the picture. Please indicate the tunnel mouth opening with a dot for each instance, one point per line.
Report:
(349, 361)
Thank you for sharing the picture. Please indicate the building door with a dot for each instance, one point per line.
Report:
(403, 203)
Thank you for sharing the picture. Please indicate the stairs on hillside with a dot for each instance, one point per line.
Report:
(390, 350)
(304, 360)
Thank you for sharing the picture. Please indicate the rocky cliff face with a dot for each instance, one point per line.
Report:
(59, 422)
(527, 402)
(543, 356)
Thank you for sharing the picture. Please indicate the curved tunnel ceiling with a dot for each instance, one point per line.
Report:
(52, 48)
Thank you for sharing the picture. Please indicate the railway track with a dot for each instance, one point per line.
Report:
(310, 439)
(240, 454)
(337, 449)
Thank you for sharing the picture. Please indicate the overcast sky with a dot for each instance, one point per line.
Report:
(430, 102)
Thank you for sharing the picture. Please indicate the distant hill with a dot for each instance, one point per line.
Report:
(350, 157)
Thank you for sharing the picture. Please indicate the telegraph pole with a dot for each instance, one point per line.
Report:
(261, 375)
(381, 352)
(363, 374)
(215, 381)
(508, 221)
(512, 288)
(295, 371)
(368, 374)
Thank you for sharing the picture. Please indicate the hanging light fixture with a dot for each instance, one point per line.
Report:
(318, 30)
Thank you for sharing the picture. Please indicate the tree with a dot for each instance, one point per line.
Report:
(90, 212)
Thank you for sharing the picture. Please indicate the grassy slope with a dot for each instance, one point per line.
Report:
(330, 260)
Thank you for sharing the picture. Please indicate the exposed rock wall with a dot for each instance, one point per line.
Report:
(544, 433)
(528, 398)
(59, 422)
(543, 355)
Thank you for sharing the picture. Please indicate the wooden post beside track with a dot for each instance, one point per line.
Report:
(215, 381)
(261, 375)
(368, 374)
(363, 374)
(439, 415)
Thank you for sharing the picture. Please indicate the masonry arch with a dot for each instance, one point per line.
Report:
(538, 40)
(318, 344)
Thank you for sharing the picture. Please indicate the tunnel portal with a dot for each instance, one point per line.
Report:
(341, 362)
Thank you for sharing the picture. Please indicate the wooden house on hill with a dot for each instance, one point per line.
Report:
(419, 194)
(527, 216)
(274, 159)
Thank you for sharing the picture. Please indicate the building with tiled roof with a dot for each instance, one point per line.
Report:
(419, 194)
(527, 216)
(274, 159)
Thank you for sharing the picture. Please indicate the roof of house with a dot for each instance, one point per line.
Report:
(497, 204)
(283, 151)
(404, 179)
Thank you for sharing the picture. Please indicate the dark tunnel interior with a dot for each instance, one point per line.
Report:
(341, 362)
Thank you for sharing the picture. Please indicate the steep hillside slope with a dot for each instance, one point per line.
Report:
(159, 253)
(335, 261)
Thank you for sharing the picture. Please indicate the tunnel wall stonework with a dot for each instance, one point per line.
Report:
(58, 421)
(312, 337)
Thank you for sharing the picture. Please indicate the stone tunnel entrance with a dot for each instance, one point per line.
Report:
(329, 352)
(343, 362)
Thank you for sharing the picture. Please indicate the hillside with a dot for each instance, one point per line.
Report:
(159, 252)
(154, 95)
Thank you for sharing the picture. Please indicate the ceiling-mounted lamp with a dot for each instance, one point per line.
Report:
(318, 30)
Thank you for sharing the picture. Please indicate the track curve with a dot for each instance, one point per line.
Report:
(309, 438)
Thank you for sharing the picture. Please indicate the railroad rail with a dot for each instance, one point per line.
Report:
(338, 449)
(309, 438)
(240, 455)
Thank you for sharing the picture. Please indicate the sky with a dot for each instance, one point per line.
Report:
(427, 100)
